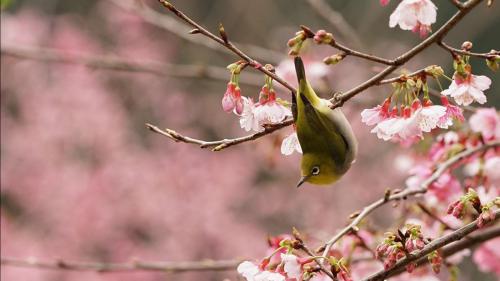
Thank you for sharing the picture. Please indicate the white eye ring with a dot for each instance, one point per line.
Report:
(315, 171)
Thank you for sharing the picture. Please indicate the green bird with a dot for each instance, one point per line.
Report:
(328, 143)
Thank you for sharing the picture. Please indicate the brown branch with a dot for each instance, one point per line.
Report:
(170, 267)
(403, 77)
(339, 98)
(182, 31)
(457, 4)
(336, 20)
(491, 55)
(453, 248)
(128, 65)
(370, 57)
(432, 246)
(422, 188)
(227, 44)
(219, 144)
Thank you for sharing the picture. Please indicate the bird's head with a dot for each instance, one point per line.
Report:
(318, 169)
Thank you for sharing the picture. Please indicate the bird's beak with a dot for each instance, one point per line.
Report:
(302, 180)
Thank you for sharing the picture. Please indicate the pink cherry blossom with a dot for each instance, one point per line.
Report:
(415, 15)
(487, 122)
(465, 91)
(428, 117)
(487, 256)
(232, 101)
(377, 114)
(267, 111)
(290, 144)
(452, 112)
(251, 272)
(291, 266)
(248, 270)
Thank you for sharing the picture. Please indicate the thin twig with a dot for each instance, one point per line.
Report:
(182, 31)
(370, 57)
(318, 262)
(227, 44)
(339, 98)
(432, 246)
(336, 20)
(422, 188)
(171, 267)
(122, 64)
(219, 144)
(491, 55)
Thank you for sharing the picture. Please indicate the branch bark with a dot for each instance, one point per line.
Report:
(469, 241)
(432, 246)
(219, 144)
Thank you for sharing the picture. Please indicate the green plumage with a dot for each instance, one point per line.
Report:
(326, 137)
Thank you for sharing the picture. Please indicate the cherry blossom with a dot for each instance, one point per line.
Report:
(291, 266)
(465, 91)
(290, 144)
(415, 15)
(232, 100)
(377, 114)
(452, 112)
(414, 121)
(269, 110)
(487, 122)
(251, 272)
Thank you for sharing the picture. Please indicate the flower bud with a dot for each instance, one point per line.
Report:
(434, 70)
(323, 37)
(467, 46)
(334, 59)
(493, 63)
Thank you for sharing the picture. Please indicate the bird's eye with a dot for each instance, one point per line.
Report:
(315, 170)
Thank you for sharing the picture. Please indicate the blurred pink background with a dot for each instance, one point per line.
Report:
(83, 179)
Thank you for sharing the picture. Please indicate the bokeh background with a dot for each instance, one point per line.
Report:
(83, 179)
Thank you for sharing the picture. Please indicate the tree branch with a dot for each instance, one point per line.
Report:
(121, 64)
(432, 246)
(339, 98)
(351, 52)
(227, 44)
(171, 267)
(219, 144)
(491, 55)
(406, 193)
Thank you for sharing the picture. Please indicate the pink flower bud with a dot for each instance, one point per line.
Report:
(384, 2)
(228, 103)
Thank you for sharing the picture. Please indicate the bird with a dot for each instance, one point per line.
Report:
(328, 143)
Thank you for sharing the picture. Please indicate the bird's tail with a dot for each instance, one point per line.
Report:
(301, 73)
